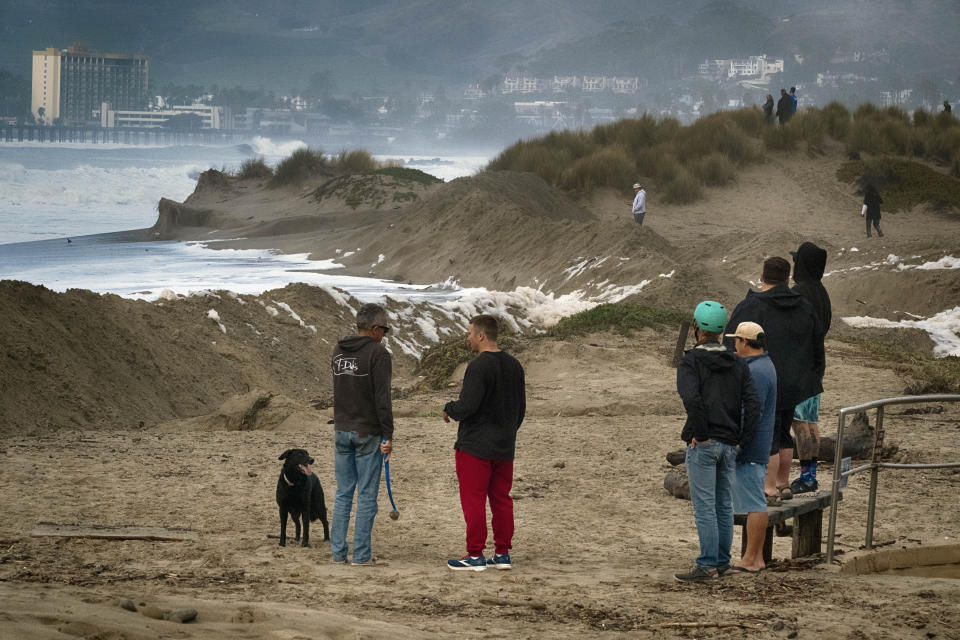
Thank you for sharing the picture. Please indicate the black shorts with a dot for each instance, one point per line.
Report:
(781, 430)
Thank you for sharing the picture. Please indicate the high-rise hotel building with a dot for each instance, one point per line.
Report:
(70, 83)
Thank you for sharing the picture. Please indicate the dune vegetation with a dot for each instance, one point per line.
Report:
(684, 160)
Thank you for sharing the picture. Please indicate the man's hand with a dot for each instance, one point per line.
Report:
(386, 448)
(694, 442)
(446, 418)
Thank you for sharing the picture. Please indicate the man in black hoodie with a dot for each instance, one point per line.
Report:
(809, 262)
(795, 344)
(722, 414)
(363, 423)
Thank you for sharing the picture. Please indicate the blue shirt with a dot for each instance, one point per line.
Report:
(764, 377)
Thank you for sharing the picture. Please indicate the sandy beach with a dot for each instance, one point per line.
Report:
(123, 413)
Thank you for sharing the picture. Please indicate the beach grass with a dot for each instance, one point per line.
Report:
(254, 169)
(300, 165)
(903, 184)
(617, 317)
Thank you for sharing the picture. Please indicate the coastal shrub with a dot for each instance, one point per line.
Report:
(836, 120)
(528, 155)
(811, 126)
(922, 118)
(569, 144)
(716, 132)
(904, 184)
(683, 188)
(714, 170)
(666, 168)
(943, 145)
(750, 120)
(302, 164)
(405, 173)
(608, 167)
(632, 133)
(864, 111)
(620, 317)
(781, 137)
(254, 169)
(358, 161)
(650, 160)
(439, 361)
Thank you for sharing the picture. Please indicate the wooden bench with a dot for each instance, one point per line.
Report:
(806, 510)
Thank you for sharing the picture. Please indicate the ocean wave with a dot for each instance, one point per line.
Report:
(89, 186)
(274, 150)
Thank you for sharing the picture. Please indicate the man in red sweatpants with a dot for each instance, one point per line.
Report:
(490, 409)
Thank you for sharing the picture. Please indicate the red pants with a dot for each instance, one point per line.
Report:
(478, 480)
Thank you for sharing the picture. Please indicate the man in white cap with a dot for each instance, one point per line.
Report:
(754, 450)
(639, 203)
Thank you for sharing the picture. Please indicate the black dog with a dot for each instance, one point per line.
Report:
(299, 494)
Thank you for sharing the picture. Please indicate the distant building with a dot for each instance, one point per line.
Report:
(754, 66)
(68, 84)
(895, 98)
(211, 117)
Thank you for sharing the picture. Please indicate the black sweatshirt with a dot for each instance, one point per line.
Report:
(491, 406)
(362, 369)
(719, 397)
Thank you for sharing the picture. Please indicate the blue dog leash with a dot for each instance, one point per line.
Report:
(386, 465)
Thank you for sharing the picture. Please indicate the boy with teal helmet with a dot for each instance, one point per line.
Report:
(722, 413)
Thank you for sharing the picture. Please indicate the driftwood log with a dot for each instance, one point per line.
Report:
(859, 437)
(676, 484)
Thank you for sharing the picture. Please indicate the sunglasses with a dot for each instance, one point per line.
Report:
(385, 329)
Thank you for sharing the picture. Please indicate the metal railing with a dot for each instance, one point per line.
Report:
(874, 465)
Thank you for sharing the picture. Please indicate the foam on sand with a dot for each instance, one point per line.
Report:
(943, 328)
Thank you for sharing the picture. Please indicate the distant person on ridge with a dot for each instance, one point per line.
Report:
(768, 110)
(871, 207)
(722, 412)
(946, 106)
(784, 107)
(794, 99)
(809, 262)
(639, 205)
(490, 409)
(754, 454)
(795, 344)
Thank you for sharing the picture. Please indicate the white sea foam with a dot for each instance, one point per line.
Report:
(943, 329)
(274, 150)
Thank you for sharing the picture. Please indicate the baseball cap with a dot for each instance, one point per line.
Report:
(747, 331)
(637, 185)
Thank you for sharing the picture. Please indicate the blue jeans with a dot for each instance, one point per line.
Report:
(357, 464)
(710, 470)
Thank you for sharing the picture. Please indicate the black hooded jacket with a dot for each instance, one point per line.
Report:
(362, 369)
(809, 262)
(794, 340)
(873, 201)
(718, 395)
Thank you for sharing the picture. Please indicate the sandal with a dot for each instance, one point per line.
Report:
(737, 570)
(785, 493)
(773, 501)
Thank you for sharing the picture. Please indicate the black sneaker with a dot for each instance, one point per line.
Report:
(468, 563)
(697, 575)
(802, 486)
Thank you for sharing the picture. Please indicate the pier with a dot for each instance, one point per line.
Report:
(125, 135)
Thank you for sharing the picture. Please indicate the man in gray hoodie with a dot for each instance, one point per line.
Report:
(363, 423)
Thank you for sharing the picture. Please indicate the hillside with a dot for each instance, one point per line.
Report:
(363, 46)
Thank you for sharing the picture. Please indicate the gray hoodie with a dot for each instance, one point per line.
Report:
(362, 369)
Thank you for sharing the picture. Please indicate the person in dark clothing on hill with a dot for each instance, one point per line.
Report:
(363, 429)
(872, 202)
(490, 409)
(794, 99)
(809, 262)
(784, 107)
(768, 110)
(795, 344)
(722, 414)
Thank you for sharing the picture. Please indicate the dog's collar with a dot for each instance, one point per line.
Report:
(284, 476)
